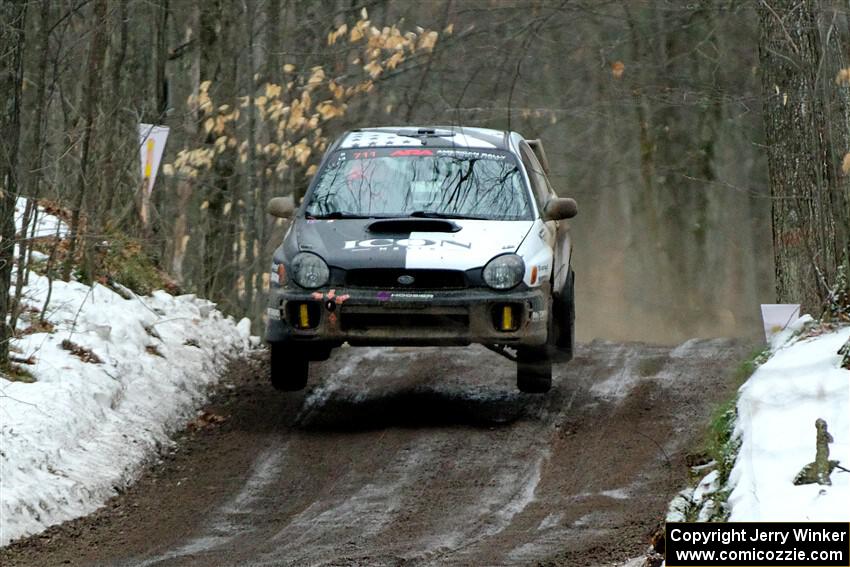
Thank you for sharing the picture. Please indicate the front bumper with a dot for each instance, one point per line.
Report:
(421, 317)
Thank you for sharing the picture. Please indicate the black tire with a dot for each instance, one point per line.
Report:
(288, 369)
(533, 371)
(562, 322)
(318, 353)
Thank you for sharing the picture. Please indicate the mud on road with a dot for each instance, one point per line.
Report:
(417, 457)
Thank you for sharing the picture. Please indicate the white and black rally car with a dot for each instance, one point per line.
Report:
(425, 236)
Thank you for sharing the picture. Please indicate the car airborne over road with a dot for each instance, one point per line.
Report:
(425, 236)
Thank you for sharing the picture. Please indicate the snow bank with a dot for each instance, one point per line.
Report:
(777, 409)
(83, 429)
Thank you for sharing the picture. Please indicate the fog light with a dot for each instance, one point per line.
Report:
(303, 314)
(506, 316)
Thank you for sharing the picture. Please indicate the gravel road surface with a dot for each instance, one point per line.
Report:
(416, 457)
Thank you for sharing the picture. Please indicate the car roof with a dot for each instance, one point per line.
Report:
(440, 136)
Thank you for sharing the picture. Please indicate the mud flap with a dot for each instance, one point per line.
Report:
(562, 322)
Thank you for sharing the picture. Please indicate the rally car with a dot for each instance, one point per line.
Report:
(425, 236)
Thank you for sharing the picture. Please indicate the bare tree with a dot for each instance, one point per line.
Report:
(804, 194)
(91, 99)
(12, 38)
(34, 173)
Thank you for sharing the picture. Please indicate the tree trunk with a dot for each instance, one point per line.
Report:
(91, 98)
(249, 214)
(838, 120)
(274, 70)
(118, 123)
(798, 148)
(12, 33)
(181, 233)
(34, 177)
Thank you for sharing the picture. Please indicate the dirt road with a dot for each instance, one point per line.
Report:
(417, 457)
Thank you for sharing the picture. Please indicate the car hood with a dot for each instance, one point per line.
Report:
(414, 244)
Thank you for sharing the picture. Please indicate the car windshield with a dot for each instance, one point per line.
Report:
(426, 182)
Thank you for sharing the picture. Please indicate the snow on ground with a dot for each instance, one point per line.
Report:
(45, 224)
(777, 408)
(83, 429)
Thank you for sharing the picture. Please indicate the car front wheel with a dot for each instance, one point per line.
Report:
(533, 371)
(562, 322)
(288, 369)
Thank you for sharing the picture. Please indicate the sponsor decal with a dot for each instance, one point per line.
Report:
(411, 296)
(471, 154)
(389, 296)
(365, 154)
(273, 313)
(539, 315)
(399, 243)
(404, 153)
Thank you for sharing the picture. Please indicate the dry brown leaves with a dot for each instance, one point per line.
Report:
(617, 69)
(37, 326)
(152, 349)
(81, 352)
(206, 420)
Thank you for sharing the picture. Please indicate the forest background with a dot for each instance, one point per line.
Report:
(652, 115)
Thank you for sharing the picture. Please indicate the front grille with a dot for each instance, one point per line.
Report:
(387, 278)
(369, 321)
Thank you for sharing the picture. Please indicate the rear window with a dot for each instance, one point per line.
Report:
(432, 182)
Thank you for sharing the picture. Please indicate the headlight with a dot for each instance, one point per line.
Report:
(504, 272)
(309, 270)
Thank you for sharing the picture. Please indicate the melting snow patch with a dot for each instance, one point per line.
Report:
(83, 428)
(616, 494)
(707, 486)
(624, 376)
(550, 521)
(702, 348)
(319, 396)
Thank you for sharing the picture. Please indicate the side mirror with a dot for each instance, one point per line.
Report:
(560, 208)
(281, 207)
